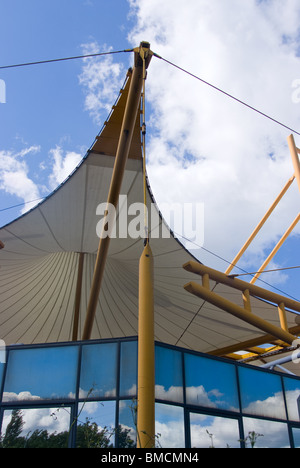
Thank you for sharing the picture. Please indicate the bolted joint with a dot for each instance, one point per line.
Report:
(143, 52)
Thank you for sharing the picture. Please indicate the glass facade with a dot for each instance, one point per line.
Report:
(84, 395)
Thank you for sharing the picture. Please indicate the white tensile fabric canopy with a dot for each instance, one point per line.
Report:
(39, 265)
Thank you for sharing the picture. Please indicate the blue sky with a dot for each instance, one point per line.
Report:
(202, 146)
(45, 104)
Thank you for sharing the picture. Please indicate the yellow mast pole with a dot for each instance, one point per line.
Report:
(78, 296)
(146, 353)
(130, 115)
(146, 347)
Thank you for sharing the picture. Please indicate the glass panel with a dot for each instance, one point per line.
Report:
(36, 428)
(127, 424)
(96, 424)
(296, 435)
(168, 374)
(2, 366)
(214, 432)
(210, 383)
(98, 371)
(169, 426)
(2, 361)
(128, 370)
(44, 373)
(292, 393)
(265, 434)
(261, 393)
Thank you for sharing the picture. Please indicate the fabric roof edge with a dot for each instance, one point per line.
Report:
(95, 149)
(84, 158)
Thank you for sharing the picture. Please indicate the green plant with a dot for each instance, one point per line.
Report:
(251, 438)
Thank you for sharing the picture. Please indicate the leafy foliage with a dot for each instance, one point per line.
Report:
(88, 436)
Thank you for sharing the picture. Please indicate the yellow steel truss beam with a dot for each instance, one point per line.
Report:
(276, 248)
(295, 158)
(260, 225)
(239, 312)
(281, 332)
(235, 283)
(245, 345)
(296, 164)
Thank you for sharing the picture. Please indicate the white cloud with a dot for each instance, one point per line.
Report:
(169, 435)
(270, 407)
(11, 396)
(205, 147)
(63, 165)
(14, 176)
(173, 393)
(101, 79)
(224, 432)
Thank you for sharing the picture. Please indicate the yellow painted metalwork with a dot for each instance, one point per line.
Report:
(253, 352)
(276, 248)
(78, 297)
(205, 281)
(282, 336)
(198, 268)
(146, 357)
(273, 298)
(282, 316)
(262, 340)
(260, 225)
(296, 164)
(246, 300)
(294, 153)
(239, 312)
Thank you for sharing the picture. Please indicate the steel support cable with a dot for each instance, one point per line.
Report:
(265, 271)
(3, 67)
(228, 95)
(65, 59)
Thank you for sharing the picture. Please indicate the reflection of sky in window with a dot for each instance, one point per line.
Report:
(296, 436)
(1, 374)
(224, 431)
(168, 374)
(50, 419)
(2, 353)
(169, 426)
(261, 393)
(273, 434)
(98, 370)
(128, 369)
(292, 393)
(127, 416)
(42, 373)
(102, 413)
(210, 383)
